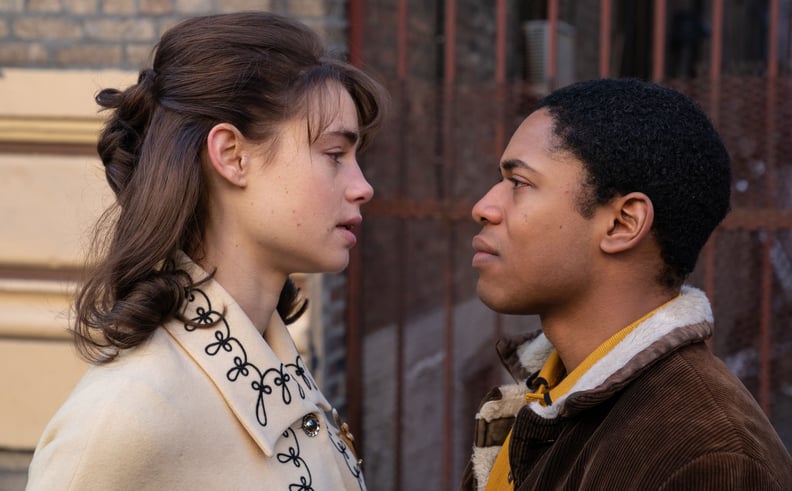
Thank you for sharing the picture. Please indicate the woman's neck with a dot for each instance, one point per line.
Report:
(254, 288)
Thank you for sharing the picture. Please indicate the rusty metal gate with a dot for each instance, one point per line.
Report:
(462, 75)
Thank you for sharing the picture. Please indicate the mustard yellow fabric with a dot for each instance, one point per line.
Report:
(499, 477)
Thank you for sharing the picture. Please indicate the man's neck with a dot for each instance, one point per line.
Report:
(577, 332)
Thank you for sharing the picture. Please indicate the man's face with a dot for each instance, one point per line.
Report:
(535, 252)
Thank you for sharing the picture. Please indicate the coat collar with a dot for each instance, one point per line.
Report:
(684, 320)
(267, 386)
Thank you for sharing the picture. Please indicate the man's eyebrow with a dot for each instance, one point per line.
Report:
(512, 164)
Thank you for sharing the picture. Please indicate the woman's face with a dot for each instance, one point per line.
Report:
(302, 200)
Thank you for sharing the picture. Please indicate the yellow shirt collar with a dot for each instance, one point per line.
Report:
(551, 383)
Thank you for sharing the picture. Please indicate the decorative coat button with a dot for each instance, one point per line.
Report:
(346, 435)
(310, 424)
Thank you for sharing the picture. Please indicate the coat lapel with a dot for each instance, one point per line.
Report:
(268, 390)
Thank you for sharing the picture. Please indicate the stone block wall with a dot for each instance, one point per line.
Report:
(101, 34)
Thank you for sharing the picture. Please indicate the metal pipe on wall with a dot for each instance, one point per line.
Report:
(716, 50)
(658, 40)
(766, 314)
(552, 49)
(605, 38)
(449, 92)
(354, 332)
(402, 72)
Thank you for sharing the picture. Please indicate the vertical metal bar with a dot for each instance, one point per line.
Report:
(716, 53)
(500, 41)
(401, 41)
(354, 361)
(765, 324)
(552, 48)
(716, 50)
(658, 40)
(355, 32)
(709, 268)
(772, 41)
(714, 110)
(449, 68)
(449, 78)
(500, 81)
(448, 362)
(766, 320)
(401, 314)
(605, 38)
(787, 55)
(500, 75)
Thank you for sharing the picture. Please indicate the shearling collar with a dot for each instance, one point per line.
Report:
(686, 319)
(267, 386)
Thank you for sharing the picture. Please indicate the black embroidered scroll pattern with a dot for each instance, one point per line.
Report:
(300, 371)
(268, 380)
(350, 460)
(293, 456)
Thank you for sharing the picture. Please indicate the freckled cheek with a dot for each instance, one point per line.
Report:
(295, 216)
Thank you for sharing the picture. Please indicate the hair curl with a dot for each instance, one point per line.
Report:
(639, 136)
(254, 70)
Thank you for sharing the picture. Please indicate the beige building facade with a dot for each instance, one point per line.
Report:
(50, 198)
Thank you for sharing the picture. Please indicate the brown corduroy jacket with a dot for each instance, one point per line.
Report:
(660, 413)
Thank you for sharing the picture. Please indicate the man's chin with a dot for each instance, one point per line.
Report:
(500, 303)
(491, 299)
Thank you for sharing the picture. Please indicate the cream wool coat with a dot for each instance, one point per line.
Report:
(209, 408)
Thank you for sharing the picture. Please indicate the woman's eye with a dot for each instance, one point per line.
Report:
(517, 183)
(335, 156)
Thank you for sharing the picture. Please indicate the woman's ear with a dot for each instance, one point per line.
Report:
(631, 221)
(225, 150)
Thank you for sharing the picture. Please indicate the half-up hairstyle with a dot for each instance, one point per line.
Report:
(255, 70)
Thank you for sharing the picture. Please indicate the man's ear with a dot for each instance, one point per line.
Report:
(630, 221)
(225, 150)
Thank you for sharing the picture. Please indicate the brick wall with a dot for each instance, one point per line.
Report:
(68, 34)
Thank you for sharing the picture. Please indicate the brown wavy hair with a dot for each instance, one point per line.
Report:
(255, 70)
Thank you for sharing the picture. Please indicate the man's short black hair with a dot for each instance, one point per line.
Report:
(639, 136)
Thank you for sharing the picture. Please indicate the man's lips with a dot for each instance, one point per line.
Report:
(484, 251)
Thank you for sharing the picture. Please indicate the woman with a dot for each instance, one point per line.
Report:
(233, 161)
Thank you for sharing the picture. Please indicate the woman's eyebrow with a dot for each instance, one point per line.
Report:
(353, 137)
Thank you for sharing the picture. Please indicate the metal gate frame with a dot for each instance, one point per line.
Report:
(767, 218)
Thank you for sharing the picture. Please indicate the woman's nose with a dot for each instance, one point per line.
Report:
(360, 191)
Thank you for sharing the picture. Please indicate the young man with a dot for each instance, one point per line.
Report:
(610, 189)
